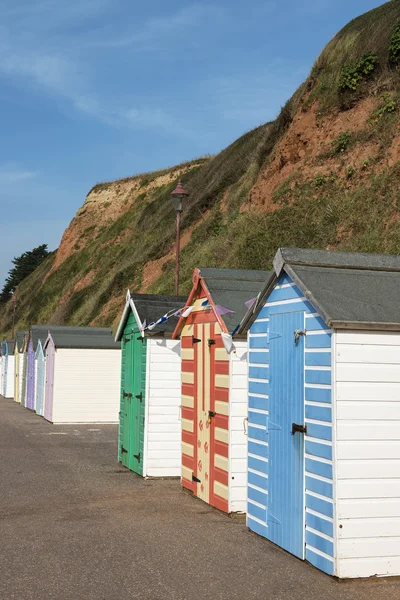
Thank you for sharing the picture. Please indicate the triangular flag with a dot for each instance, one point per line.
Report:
(228, 342)
(222, 310)
(187, 311)
(250, 303)
(234, 332)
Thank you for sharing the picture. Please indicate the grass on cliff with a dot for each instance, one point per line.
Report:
(364, 218)
(361, 52)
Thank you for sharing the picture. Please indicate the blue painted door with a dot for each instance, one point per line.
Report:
(285, 516)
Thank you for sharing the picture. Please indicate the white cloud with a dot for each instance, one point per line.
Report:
(157, 30)
(11, 173)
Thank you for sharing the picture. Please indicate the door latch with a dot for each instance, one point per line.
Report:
(211, 413)
(298, 428)
(139, 396)
(126, 395)
(211, 343)
(298, 334)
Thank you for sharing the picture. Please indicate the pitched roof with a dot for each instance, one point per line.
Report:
(20, 339)
(353, 290)
(40, 332)
(149, 308)
(229, 288)
(83, 337)
(11, 346)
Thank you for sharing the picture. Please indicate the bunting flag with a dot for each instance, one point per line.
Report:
(250, 303)
(228, 342)
(222, 310)
(187, 311)
(234, 332)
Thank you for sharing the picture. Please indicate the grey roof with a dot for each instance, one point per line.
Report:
(83, 337)
(150, 308)
(335, 258)
(231, 288)
(40, 332)
(19, 338)
(11, 346)
(354, 290)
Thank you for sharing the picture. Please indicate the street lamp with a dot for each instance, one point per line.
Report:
(179, 194)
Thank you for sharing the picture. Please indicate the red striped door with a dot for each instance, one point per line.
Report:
(205, 410)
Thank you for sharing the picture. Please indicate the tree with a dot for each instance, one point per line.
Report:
(24, 265)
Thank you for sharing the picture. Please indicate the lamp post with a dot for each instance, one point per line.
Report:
(179, 194)
(14, 304)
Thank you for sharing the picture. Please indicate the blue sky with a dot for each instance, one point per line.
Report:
(94, 90)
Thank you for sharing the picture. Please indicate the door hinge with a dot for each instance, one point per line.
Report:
(196, 479)
(137, 456)
(126, 340)
(139, 396)
(140, 337)
(298, 333)
(123, 451)
(126, 395)
(211, 343)
(195, 340)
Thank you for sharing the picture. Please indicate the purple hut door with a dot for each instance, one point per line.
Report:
(30, 384)
(48, 406)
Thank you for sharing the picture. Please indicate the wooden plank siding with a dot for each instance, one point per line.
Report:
(86, 384)
(368, 453)
(319, 529)
(163, 440)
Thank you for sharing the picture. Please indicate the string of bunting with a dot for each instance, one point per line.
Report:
(185, 311)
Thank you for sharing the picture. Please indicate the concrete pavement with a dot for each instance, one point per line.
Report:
(75, 525)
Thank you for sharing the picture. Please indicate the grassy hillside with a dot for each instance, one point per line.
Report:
(324, 174)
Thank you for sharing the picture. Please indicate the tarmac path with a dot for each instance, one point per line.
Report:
(75, 525)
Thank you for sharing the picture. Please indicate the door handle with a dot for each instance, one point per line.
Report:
(298, 428)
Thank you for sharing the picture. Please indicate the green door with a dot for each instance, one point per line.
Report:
(126, 400)
(133, 383)
(137, 402)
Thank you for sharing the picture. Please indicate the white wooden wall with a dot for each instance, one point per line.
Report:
(2, 373)
(368, 453)
(163, 409)
(238, 438)
(20, 373)
(10, 377)
(86, 386)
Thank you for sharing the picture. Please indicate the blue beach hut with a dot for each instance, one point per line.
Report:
(324, 410)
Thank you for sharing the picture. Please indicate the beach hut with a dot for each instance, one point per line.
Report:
(2, 367)
(23, 366)
(8, 366)
(82, 375)
(40, 371)
(19, 362)
(324, 410)
(150, 419)
(36, 333)
(214, 386)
